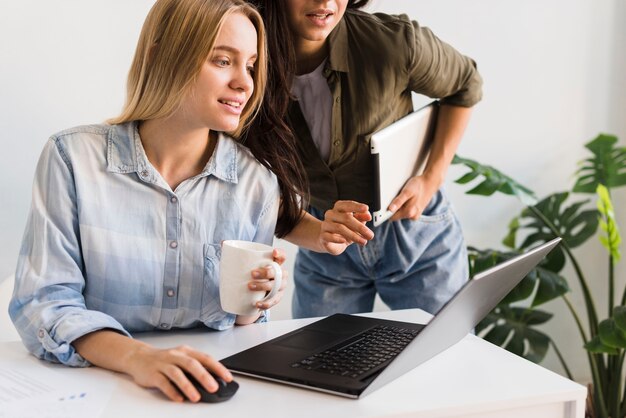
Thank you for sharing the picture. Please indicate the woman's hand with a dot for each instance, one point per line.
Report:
(164, 369)
(343, 225)
(263, 279)
(412, 200)
(150, 367)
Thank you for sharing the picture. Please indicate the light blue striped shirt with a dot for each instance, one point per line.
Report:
(108, 244)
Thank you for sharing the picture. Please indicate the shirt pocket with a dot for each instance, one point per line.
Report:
(211, 307)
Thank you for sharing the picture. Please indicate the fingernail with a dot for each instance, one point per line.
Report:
(252, 286)
(256, 274)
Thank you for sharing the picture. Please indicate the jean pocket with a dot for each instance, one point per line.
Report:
(437, 210)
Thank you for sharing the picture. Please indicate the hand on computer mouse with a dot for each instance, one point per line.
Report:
(224, 392)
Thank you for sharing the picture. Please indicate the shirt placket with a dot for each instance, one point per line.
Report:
(171, 273)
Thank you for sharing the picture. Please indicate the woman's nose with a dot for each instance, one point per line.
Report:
(242, 80)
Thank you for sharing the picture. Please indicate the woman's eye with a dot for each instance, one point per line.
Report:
(222, 62)
(251, 69)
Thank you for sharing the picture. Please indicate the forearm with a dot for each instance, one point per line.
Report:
(451, 124)
(306, 234)
(109, 349)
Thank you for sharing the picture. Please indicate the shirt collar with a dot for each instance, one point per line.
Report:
(224, 161)
(125, 154)
(338, 45)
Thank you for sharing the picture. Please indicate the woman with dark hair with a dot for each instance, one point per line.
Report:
(337, 75)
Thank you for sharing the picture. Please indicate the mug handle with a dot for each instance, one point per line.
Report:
(278, 280)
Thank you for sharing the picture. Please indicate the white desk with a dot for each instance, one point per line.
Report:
(473, 379)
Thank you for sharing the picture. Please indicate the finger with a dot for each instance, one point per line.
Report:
(400, 200)
(333, 222)
(409, 210)
(363, 217)
(279, 255)
(263, 273)
(215, 367)
(355, 232)
(350, 206)
(176, 377)
(265, 281)
(331, 238)
(170, 390)
(267, 304)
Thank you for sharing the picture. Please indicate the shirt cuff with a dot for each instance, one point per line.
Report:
(264, 317)
(57, 342)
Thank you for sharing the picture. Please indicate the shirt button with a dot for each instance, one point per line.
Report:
(170, 293)
(336, 143)
(173, 199)
(41, 333)
(173, 244)
(337, 100)
(163, 325)
(144, 173)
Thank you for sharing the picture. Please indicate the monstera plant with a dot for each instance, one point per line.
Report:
(576, 216)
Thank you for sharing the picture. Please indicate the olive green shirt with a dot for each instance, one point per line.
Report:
(375, 62)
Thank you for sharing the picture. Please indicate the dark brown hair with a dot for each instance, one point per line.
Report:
(269, 129)
(271, 140)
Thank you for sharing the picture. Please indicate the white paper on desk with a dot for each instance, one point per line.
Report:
(31, 390)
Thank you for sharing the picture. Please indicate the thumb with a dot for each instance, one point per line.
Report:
(399, 201)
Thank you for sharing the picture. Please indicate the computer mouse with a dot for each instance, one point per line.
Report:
(225, 391)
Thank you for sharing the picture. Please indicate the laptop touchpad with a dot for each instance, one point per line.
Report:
(308, 340)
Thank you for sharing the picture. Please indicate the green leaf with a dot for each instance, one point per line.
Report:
(511, 328)
(607, 166)
(611, 239)
(550, 286)
(619, 316)
(493, 181)
(541, 283)
(596, 346)
(573, 224)
(509, 240)
(611, 335)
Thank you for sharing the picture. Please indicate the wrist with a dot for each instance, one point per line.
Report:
(433, 180)
(132, 356)
(247, 319)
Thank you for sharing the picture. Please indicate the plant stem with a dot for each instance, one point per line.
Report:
(614, 403)
(622, 406)
(562, 360)
(591, 310)
(599, 396)
(611, 285)
(598, 378)
(576, 318)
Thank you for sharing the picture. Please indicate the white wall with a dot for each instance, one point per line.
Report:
(554, 78)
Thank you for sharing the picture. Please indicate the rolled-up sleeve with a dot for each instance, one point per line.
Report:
(48, 307)
(438, 70)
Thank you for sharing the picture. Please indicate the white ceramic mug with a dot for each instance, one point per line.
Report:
(238, 260)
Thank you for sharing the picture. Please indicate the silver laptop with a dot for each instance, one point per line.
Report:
(353, 356)
(400, 151)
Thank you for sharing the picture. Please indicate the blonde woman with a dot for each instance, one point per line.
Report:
(127, 217)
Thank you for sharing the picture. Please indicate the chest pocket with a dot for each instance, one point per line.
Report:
(211, 308)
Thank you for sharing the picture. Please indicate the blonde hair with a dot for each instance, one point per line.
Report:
(176, 39)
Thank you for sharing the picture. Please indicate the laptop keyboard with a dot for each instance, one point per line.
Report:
(361, 356)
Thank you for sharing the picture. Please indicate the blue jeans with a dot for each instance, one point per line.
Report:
(410, 264)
